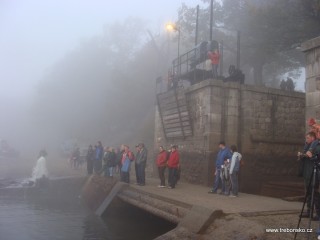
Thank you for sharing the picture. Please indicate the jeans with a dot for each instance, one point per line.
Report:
(141, 176)
(217, 182)
(110, 171)
(173, 174)
(234, 182)
(215, 70)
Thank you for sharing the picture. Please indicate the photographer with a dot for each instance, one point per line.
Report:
(308, 158)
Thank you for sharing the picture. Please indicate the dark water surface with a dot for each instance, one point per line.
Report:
(51, 219)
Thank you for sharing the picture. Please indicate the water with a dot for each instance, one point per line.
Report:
(40, 220)
(45, 219)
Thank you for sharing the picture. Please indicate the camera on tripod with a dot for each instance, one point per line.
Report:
(316, 159)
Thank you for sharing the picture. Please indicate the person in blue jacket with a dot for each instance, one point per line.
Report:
(224, 153)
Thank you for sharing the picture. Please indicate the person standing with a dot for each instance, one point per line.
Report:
(234, 170)
(119, 154)
(98, 158)
(136, 165)
(224, 153)
(141, 161)
(215, 58)
(307, 157)
(161, 164)
(225, 176)
(90, 160)
(173, 165)
(109, 162)
(127, 158)
(76, 158)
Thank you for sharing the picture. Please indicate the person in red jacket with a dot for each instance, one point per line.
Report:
(173, 166)
(162, 164)
(215, 58)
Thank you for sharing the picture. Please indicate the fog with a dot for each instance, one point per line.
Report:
(83, 71)
(55, 80)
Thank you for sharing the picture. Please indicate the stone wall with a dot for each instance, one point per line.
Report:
(312, 51)
(266, 124)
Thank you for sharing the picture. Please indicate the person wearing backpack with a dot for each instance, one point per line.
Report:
(234, 170)
(127, 158)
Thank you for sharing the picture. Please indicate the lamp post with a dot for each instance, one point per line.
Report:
(174, 27)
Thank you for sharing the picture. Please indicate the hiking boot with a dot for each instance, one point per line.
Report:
(211, 191)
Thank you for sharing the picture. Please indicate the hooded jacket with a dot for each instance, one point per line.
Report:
(235, 162)
(162, 158)
(173, 161)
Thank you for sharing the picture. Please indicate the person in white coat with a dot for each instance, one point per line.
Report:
(234, 170)
(40, 171)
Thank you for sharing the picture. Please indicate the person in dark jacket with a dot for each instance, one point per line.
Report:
(224, 153)
(141, 161)
(98, 158)
(109, 160)
(76, 158)
(310, 151)
(136, 165)
(90, 160)
(119, 153)
(173, 166)
(162, 164)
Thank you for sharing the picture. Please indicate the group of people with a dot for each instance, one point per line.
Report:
(227, 168)
(108, 160)
(309, 160)
(171, 160)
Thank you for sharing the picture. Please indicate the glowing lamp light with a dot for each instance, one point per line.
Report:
(171, 27)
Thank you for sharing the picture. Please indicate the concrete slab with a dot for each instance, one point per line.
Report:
(199, 218)
(113, 193)
(198, 195)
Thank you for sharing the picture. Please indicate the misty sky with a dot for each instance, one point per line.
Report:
(36, 33)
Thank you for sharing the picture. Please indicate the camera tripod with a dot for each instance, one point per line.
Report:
(311, 187)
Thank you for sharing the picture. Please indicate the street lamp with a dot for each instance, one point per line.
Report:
(174, 27)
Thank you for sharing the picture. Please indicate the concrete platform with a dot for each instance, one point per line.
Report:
(188, 206)
(244, 204)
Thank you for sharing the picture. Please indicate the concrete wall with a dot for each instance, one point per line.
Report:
(266, 124)
(312, 51)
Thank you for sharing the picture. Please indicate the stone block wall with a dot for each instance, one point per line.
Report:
(312, 51)
(266, 124)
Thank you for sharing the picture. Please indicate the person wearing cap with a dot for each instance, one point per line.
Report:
(224, 153)
(173, 166)
(141, 161)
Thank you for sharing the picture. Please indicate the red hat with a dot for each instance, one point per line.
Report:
(311, 121)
